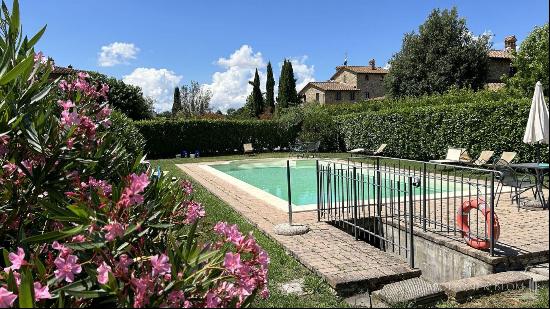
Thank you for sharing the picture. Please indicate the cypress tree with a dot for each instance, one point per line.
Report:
(287, 95)
(282, 101)
(292, 93)
(176, 106)
(270, 89)
(257, 98)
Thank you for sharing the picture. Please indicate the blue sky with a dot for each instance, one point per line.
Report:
(160, 44)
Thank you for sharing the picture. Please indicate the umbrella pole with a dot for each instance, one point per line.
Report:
(537, 152)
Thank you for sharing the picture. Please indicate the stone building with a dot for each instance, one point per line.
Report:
(357, 83)
(500, 63)
(348, 84)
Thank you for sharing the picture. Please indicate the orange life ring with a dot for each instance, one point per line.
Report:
(462, 223)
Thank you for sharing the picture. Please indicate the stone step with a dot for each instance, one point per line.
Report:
(411, 292)
(537, 280)
(464, 289)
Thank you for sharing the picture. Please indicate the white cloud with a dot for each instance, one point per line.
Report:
(158, 84)
(230, 87)
(387, 66)
(117, 53)
(302, 72)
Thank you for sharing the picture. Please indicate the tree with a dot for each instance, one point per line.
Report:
(195, 100)
(270, 89)
(442, 55)
(128, 99)
(287, 95)
(176, 106)
(531, 63)
(256, 103)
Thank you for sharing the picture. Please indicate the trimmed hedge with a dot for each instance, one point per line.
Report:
(425, 133)
(166, 138)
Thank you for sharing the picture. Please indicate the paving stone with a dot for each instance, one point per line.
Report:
(362, 300)
(541, 269)
(290, 230)
(466, 288)
(537, 280)
(415, 291)
(295, 287)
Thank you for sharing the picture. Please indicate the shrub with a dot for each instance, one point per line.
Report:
(169, 137)
(127, 135)
(78, 227)
(426, 132)
(318, 125)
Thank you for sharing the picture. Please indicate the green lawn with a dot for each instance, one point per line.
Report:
(283, 268)
(508, 299)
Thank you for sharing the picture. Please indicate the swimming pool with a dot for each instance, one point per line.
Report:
(271, 177)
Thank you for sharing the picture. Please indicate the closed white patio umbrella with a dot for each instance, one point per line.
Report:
(537, 130)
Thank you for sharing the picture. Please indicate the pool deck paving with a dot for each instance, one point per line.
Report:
(349, 266)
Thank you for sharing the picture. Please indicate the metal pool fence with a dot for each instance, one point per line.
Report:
(383, 200)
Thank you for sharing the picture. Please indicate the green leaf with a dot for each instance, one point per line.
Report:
(6, 254)
(26, 290)
(36, 37)
(55, 235)
(17, 70)
(39, 266)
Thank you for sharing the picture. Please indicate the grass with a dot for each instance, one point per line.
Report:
(283, 268)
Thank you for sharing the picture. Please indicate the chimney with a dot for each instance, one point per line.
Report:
(510, 43)
(372, 64)
(70, 66)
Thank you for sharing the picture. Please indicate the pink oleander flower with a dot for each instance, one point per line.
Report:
(161, 264)
(212, 300)
(66, 105)
(264, 293)
(187, 187)
(63, 251)
(263, 259)
(16, 259)
(70, 143)
(67, 268)
(131, 195)
(6, 298)
(69, 119)
(78, 238)
(103, 273)
(40, 58)
(142, 288)
(4, 142)
(194, 212)
(114, 230)
(232, 262)
(123, 262)
(104, 90)
(41, 292)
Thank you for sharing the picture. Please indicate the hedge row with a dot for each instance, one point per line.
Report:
(425, 133)
(166, 138)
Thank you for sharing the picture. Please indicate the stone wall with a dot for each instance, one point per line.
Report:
(330, 96)
(311, 92)
(374, 85)
(497, 68)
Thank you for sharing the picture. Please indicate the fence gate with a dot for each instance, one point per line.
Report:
(382, 203)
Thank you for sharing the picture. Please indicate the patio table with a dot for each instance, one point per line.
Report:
(538, 170)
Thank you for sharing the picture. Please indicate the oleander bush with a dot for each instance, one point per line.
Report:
(79, 225)
(166, 138)
(425, 133)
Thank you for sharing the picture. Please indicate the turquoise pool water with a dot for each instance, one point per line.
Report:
(270, 176)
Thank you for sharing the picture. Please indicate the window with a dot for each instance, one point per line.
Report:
(344, 77)
(352, 96)
(366, 76)
(367, 95)
(317, 97)
(338, 95)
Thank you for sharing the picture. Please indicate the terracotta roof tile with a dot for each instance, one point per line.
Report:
(501, 54)
(362, 69)
(330, 85)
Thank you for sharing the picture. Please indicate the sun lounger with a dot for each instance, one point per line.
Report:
(454, 155)
(248, 149)
(366, 151)
(483, 158)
